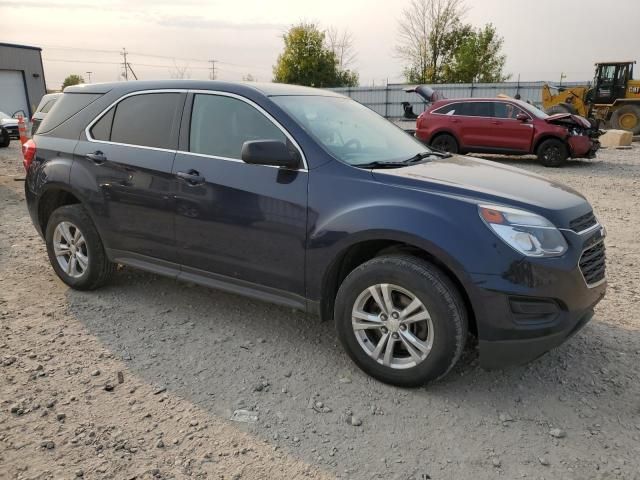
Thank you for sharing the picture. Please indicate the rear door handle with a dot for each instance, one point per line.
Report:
(192, 177)
(96, 157)
(496, 122)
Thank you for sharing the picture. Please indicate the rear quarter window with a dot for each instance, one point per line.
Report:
(456, 108)
(68, 105)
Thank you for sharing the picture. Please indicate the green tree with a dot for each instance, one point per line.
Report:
(72, 79)
(476, 57)
(307, 60)
(425, 32)
(439, 48)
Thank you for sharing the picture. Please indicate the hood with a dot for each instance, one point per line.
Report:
(568, 119)
(9, 122)
(491, 182)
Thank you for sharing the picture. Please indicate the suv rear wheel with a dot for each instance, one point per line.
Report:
(553, 153)
(445, 143)
(75, 249)
(401, 320)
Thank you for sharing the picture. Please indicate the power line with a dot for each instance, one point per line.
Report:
(152, 55)
(217, 69)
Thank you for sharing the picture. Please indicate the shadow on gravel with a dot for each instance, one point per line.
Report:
(225, 352)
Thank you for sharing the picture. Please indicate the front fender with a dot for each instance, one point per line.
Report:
(345, 210)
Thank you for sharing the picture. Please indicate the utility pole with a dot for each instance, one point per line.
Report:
(212, 75)
(125, 64)
(89, 76)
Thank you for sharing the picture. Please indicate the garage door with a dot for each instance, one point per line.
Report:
(12, 94)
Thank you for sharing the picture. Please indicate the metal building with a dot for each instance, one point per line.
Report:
(21, 78)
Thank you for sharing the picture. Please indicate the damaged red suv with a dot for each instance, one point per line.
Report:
(506, 126)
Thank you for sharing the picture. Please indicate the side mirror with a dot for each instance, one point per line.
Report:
(523, 117)
(269, 152)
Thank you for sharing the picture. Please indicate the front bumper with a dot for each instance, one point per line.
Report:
(583, 146)
(500, 353)
(534, 306)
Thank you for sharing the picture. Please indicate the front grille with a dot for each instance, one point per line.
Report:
(592, 264)
(583, 222)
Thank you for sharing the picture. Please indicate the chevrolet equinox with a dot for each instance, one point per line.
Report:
(305, 198)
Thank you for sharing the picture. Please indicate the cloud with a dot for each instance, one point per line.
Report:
(206, 23)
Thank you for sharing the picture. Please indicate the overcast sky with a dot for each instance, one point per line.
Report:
(542, 38)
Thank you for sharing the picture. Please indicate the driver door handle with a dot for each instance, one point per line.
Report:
(192, 177)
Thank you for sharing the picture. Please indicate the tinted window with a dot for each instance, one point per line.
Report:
(148, 120)
(451, 109)
(102, 129)
(505, 110)
(480, 109)
(66, 107)
(220, 125)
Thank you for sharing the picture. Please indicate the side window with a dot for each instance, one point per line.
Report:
(148, 120)
(102, 129)
(505, 110)
(480, 109)
(451, 109)
(220, 125)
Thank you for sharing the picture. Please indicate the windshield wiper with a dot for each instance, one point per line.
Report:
(422, 155)
(379, 164)
(409, 161)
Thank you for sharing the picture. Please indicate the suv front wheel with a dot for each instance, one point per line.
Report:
(553, 153)
(401, 320)
(75, 249)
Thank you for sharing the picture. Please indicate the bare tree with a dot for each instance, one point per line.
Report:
(341, 43)
(180, 72)
(425, 32)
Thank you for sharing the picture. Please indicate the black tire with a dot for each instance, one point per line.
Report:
(625, 114)
(553, 153)
(5, 139)
(99, 268)
(445, 143)
(561, 108)
(436, 292)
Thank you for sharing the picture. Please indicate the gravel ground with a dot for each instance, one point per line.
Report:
(141, 378)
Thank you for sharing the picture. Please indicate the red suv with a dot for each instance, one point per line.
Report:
(508, 126)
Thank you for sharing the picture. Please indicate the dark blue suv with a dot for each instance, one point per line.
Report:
(307, 199)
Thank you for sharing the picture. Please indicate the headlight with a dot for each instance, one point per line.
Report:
(526, 232)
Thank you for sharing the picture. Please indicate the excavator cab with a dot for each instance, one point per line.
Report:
(610, 82)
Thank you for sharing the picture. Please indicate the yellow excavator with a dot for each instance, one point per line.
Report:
(612, 97)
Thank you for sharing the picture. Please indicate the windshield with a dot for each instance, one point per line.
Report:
(350, 131)
(532, 109)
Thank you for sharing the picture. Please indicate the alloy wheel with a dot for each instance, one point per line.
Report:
(392, 326)
(70, 249)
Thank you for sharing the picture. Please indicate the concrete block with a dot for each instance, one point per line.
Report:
(616, 138)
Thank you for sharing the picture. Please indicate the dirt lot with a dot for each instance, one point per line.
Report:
(140, 379)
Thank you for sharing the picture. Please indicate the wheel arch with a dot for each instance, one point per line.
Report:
(354, 255)
(54, 196)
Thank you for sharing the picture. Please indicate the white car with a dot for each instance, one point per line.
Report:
(10, 124)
